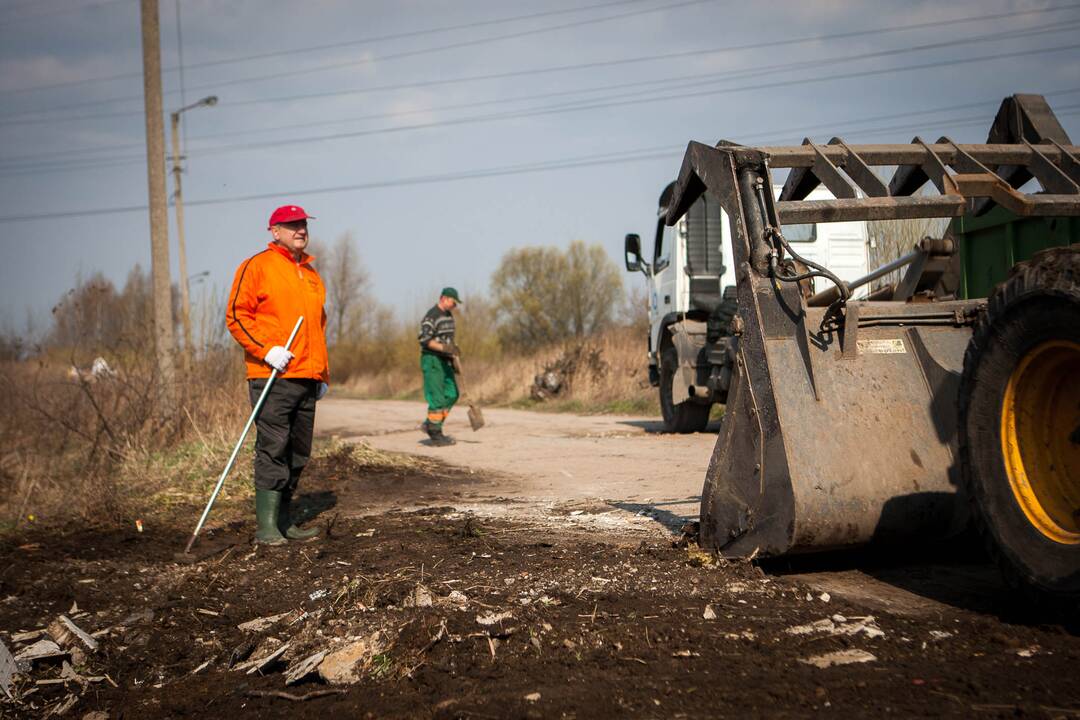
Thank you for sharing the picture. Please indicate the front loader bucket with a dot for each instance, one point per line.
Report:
(831, 444)
(841, 422)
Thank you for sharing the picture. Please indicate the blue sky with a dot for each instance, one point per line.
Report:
(421, 126)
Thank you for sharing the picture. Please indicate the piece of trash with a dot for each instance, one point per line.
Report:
(940, 634)
(709, 613)
(252, 666)
(492, 618)
(202, 667)
(65, 632)
(457, 598)
(824, 597)
(685, 653)
(318, 594)
(366, 533)
(204, 611)
(840, 657)
(25, 636)
(74, 608)
(66, 705)
(865, 625)
(576, 512)
(7, 669)
(348, 664)
(1028, 651)
(260, 624)
(419, 597)
(532, 697)
(300, 670)
(41, 650)
(138, 525)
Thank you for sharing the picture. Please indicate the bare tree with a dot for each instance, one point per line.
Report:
(890, 239)
(346, 288)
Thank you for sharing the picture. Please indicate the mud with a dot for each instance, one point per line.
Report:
(479, 617)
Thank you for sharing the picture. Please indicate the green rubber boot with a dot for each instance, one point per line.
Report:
(286, 524)
(267, 509)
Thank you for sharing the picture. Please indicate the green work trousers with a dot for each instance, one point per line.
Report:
(440, 387)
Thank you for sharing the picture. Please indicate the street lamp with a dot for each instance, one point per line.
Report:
(185, 302)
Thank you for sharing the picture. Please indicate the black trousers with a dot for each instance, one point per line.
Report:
(284, 428)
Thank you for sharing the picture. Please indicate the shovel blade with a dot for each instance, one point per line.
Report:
(476, 417)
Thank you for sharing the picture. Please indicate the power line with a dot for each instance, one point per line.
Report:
(330, 46)
(613, 101)
(617, 157)
(1008, 34)
(768, 44)
(396, 56)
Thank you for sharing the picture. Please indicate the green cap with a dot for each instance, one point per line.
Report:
(450, 293)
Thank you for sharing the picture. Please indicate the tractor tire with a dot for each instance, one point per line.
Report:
(685, 417)
(1019, 427)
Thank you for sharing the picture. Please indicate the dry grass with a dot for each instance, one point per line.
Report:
(611, 376)
(107, 449)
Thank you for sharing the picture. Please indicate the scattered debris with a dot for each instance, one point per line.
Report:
(685, 654)
(253, 666)
(532, 697)
(41, 650)
(840, 625)
(419, 597)
(295, 698)
(709, 613)
(825, 597)
(66, 633)
(840, 657)
(492, 618)
(318, 594)
(940, 634)
(300, 670)
(259, 624)
(1028, 651)
(202, 667)
(26, 636)
(346, 666)
(7, 669)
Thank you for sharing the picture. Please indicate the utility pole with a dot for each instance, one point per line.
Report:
(185, 302)
(164, 342)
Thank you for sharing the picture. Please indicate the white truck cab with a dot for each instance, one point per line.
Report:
(692, 298)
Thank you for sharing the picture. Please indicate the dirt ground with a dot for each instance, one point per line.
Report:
(438, 590)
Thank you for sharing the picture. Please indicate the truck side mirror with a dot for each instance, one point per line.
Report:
(633, 252)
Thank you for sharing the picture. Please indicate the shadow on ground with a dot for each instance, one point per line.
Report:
(673, 521)
(657, 426)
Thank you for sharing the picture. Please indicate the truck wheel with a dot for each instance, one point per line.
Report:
(686, 417)
(1019, 426)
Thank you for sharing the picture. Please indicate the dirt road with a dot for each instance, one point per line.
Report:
(544, 461)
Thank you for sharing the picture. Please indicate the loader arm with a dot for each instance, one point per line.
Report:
(841, 426)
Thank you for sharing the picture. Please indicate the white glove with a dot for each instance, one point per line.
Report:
(321, 390)
(278, 358)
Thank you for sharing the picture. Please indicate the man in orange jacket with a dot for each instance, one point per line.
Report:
(270, 291)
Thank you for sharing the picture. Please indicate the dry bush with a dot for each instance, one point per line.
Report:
(612, 378)
(98, 446)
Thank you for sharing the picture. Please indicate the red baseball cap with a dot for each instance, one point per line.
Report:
(288, 213)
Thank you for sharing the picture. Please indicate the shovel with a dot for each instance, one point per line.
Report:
(476, 415)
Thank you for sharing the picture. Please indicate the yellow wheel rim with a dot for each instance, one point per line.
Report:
(1040, 438)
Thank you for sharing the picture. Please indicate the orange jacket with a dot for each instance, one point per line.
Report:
(270, 291)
